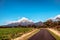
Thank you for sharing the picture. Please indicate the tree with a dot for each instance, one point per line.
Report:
(49, 23)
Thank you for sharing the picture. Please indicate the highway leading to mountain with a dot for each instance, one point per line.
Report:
(43, 34)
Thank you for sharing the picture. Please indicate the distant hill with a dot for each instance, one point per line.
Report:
(22, 22)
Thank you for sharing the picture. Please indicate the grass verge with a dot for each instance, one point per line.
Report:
(53, 34)
(33, 33)
(27, 35)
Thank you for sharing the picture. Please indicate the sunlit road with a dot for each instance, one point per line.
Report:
(43, 34)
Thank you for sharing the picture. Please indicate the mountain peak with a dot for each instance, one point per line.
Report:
(24, 19)
(58, 16)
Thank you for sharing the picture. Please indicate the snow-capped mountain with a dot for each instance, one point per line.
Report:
(56, 18)
(23, 21)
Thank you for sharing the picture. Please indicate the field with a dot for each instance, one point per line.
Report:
(10, 33)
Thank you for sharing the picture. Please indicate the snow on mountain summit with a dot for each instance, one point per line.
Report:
(56, 18)
(24, 19)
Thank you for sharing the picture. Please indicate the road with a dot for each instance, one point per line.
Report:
(43, 34)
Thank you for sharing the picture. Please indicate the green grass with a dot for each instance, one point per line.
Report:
(10, 33)
(56, 36)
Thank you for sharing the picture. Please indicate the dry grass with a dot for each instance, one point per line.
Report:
(55, 33)
(27, 35)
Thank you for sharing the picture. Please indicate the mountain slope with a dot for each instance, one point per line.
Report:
(23, 22)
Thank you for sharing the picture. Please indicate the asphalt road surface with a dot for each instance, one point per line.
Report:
(43, 34)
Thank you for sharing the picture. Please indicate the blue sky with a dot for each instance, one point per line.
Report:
(36, 10)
